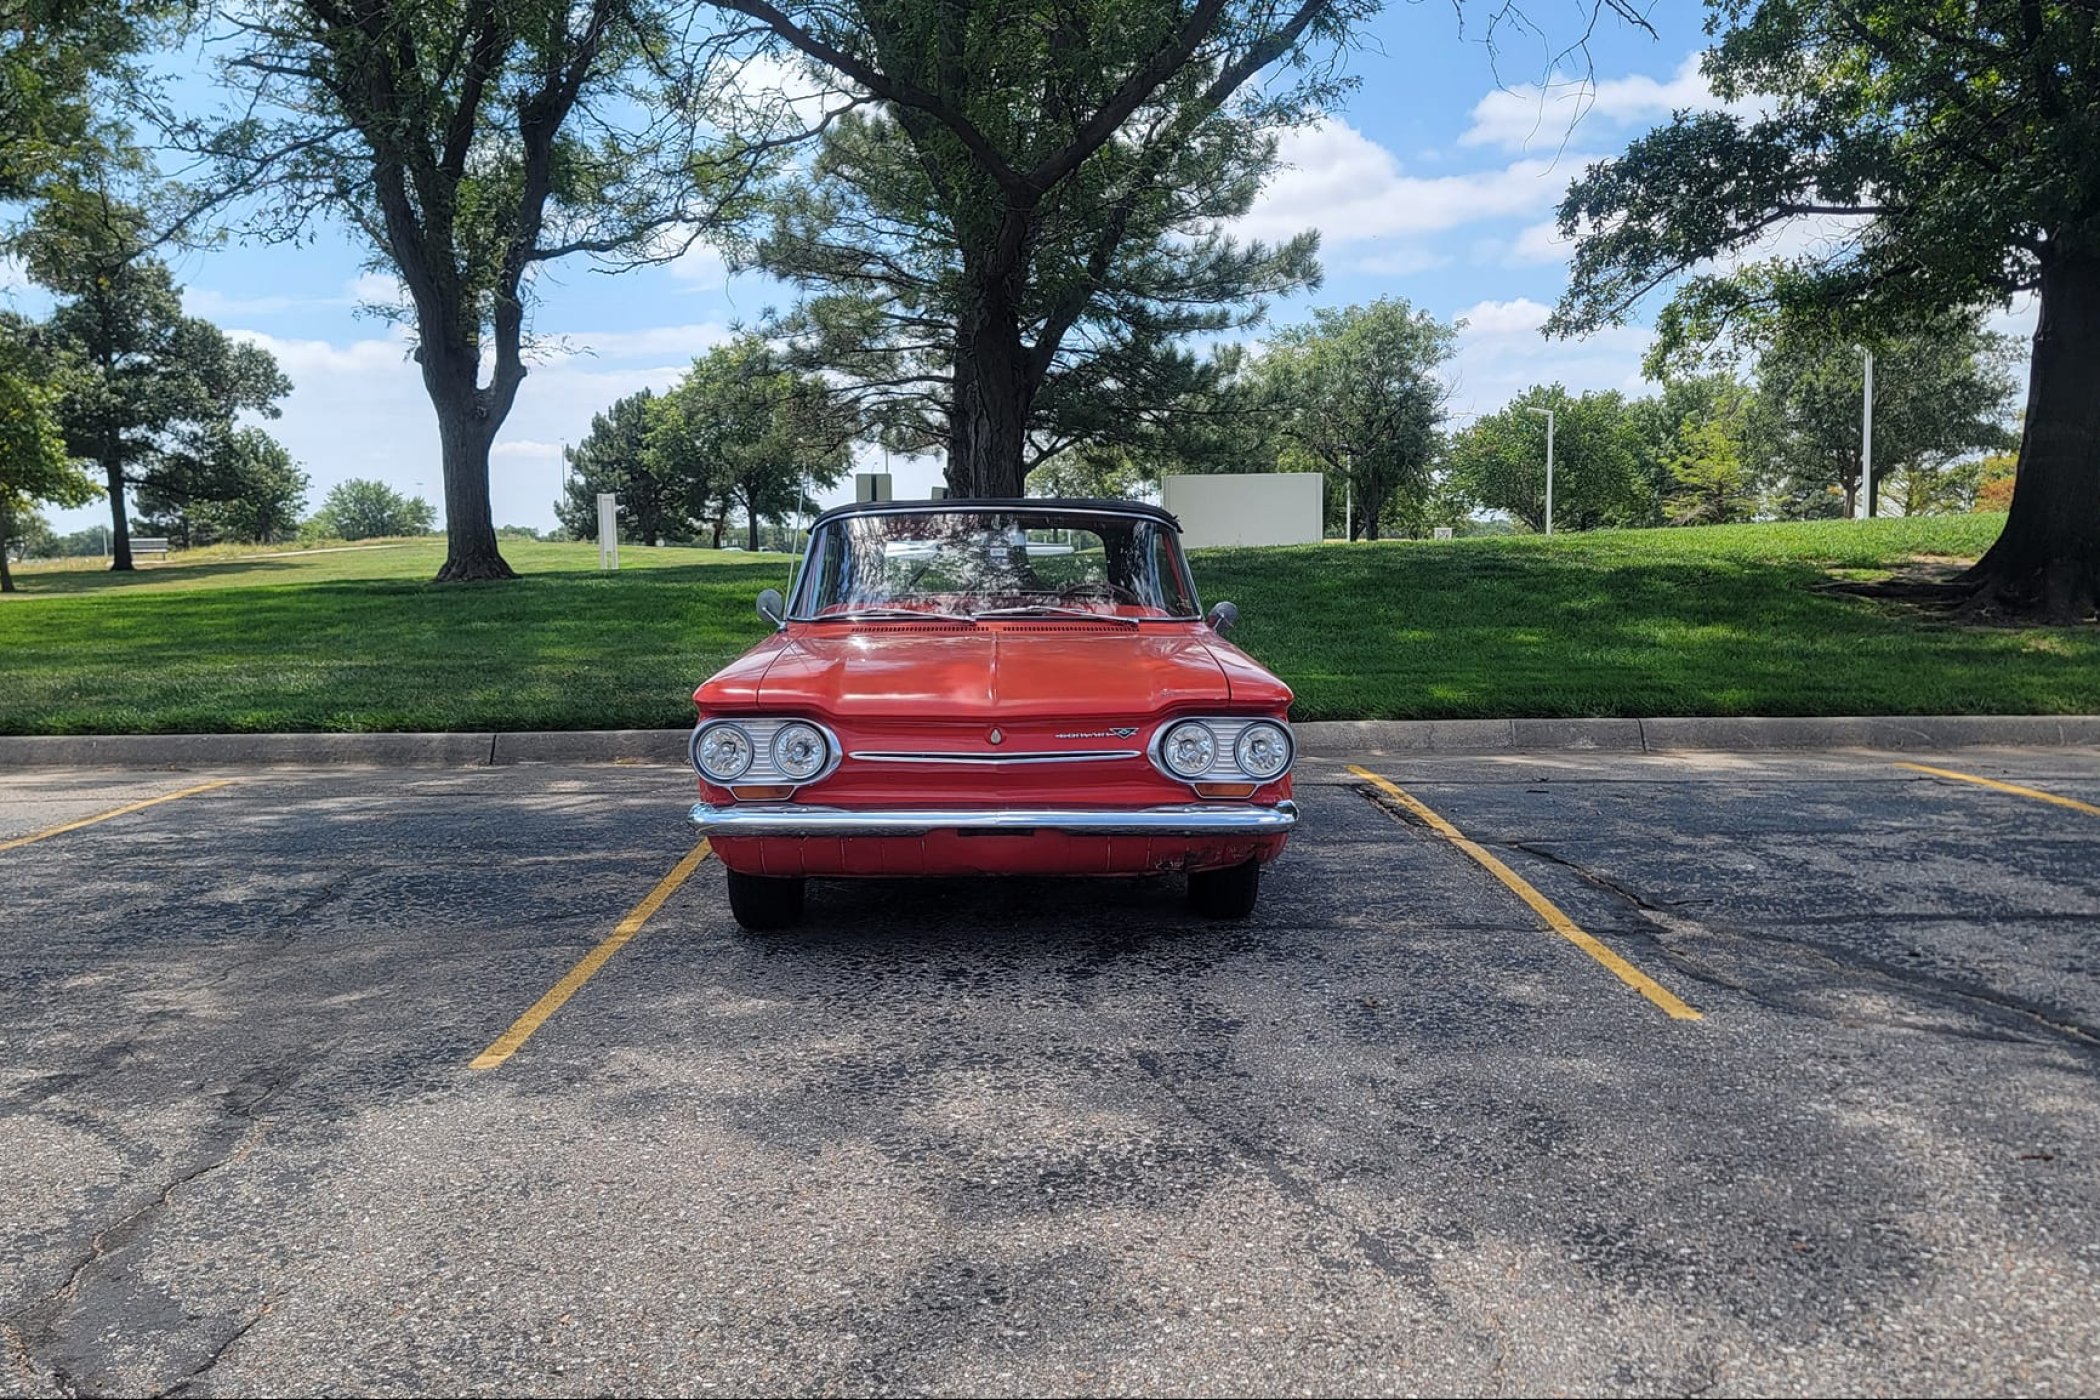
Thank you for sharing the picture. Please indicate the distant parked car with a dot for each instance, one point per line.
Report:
(981, 687)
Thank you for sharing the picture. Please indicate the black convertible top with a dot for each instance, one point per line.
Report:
(1065, 505)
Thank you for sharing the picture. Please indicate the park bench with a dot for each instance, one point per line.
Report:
(149, 546)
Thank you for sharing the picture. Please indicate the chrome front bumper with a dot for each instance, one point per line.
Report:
(1210, 819)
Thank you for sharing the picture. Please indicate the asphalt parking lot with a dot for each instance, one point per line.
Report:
(1399, 1133)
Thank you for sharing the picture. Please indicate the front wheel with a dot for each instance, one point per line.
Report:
(762, 903)
(1227, 893)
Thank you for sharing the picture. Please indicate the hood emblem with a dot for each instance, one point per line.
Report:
(996, 737)
(1119, 732)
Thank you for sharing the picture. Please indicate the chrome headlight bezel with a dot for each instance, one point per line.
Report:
(762, 734)
(1256, 731)
(721, 729)
(783, 739)
(1165, 745)
(1226, 732)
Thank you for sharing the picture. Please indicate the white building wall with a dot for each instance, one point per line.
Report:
(1256, 508)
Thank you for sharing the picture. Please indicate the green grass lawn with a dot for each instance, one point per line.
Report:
(1726, 620)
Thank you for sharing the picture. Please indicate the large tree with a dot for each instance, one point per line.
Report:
(362, 509)
(614, 456)
(471, 143)
(1962, 142)
(1499, 461)
(1940, 392)
(60, 62)
(34, 465)
(145, 385)
(1361, 393)
(224, 483)
(753, 431)
(1027, 225)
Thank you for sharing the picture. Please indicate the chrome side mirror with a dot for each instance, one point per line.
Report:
(772, 607)
(1223, 618)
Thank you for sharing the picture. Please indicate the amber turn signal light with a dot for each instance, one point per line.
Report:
(771, 794)
(1224, 789)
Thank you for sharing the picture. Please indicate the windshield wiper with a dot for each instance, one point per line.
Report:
(1052, 610)
(893, 614)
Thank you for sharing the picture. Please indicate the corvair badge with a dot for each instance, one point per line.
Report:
(1120, 732)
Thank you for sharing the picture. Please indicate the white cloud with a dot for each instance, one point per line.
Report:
(1547, 115)
(1502, 352)
(653, 342)
(377, 289)
(358, 408)
(526, 450)
(1540, 243)
(701, 268)
(371, 289)
(222, 306)
(2016, 320)
(1354, 190)
(13, 275)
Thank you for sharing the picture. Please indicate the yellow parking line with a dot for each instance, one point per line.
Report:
(50, 831)
(2036, 793)
(506, 1044)
(1545, 908)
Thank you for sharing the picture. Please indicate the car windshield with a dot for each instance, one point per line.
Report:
(970, 563)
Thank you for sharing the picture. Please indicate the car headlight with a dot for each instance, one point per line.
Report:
(1188, 749)
(1263, 750)
(724, 753)
(800, 750)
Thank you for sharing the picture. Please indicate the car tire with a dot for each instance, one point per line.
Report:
(1225, 894)
(763, 903)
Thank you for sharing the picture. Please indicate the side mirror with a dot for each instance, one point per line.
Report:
(1223, 618)
(772, 607)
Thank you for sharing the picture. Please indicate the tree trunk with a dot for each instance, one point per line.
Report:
(120, 527)
(751, 520)
(7, 580)
(2047, 559)
(721, 523)
(988, 423)
(471, 552)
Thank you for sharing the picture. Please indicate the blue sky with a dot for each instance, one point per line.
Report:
(1436, 182)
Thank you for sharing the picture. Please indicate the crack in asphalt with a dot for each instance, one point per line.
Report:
(218, 1354)
(1413, 1270)
(31, 1328)
(1837, 957)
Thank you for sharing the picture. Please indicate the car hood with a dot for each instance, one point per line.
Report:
(1006, 672)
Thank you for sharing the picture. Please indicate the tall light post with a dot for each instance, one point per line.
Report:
(1547, 414)
(1866, 438)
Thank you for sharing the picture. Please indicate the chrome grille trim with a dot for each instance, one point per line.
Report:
(1031, 756)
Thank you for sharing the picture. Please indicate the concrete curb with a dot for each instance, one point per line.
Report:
(1318, 739)
(1728, 734)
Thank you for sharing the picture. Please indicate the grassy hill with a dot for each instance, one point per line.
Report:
(1723, 620)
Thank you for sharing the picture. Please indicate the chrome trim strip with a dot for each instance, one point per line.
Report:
(1200, 819)
(1026, 756)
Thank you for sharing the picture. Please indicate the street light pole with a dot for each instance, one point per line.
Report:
(1547, 414)
(1866, 438)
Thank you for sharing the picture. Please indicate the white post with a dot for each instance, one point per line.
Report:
(1547, 414)
(608, 530)
(1549, 471)
(1866, 441)
(1348, 510)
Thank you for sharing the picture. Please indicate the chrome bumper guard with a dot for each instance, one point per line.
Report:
(1195, 819)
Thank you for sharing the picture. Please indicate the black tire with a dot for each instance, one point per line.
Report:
(1225, 894)
(762, 903)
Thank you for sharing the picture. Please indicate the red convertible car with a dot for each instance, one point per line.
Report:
(986, 687)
